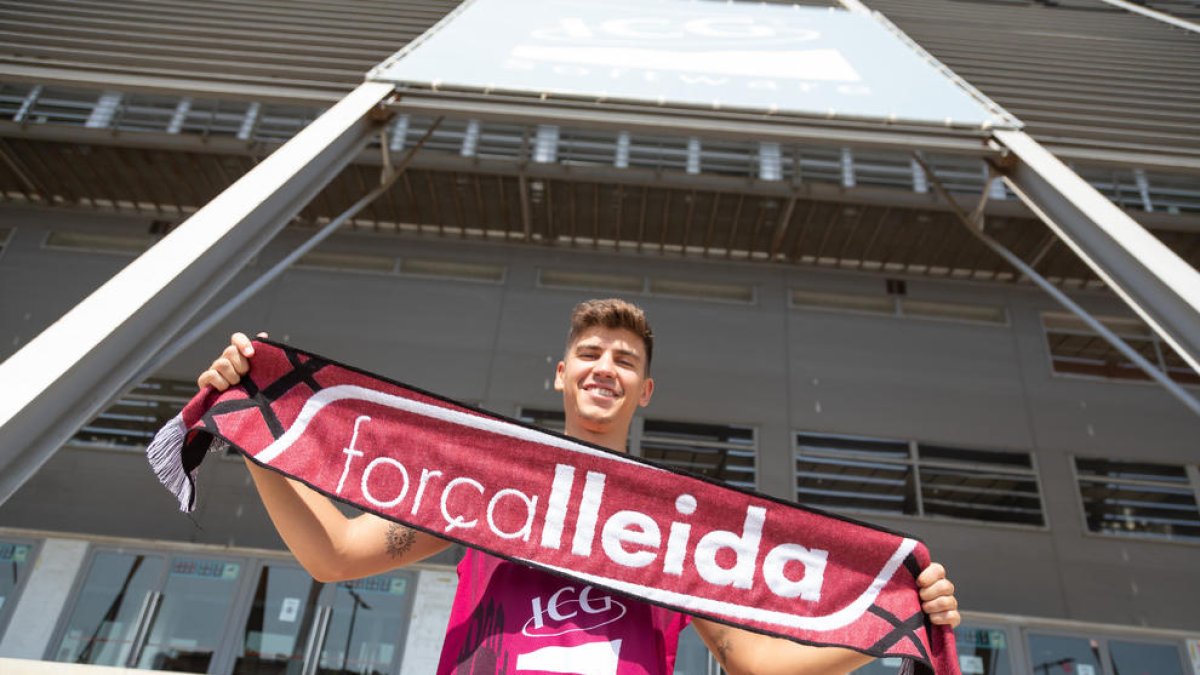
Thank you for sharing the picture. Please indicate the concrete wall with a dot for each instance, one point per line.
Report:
(766, 365)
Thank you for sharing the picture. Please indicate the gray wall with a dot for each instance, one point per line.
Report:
(766, 365)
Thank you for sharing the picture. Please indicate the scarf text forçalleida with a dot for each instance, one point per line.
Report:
(548, 501)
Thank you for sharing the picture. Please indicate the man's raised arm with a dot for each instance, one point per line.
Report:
(330, 546)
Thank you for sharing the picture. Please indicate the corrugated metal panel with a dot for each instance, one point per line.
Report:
(1079, 73)
(324, 44)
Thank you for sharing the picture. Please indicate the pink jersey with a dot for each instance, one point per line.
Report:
(508, 618)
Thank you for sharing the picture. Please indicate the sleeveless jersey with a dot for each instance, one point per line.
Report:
(508, 618)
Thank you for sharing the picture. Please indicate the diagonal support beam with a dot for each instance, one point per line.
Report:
(974, 226)
(1159, 285)
(63, 377)
(32, 185)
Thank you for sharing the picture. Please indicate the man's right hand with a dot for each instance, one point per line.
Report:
(231, 365)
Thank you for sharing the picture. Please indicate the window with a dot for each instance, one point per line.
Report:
(878, 475)
(1139, 499)
(708, 291)
(1082, 654)
(855, 473)
(624, 283)
(897, 305)
(979, 485)
(1077, 350)
(1064, 653)
(16, 559)
(546, 419)
(741, 293)
(1144, 657)
(99, 242)
(372, 263)
(982, 651)
(347, 262)
(451, 269)
(726, 453)
(133, 420)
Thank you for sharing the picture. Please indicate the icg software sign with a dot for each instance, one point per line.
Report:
(743, 56)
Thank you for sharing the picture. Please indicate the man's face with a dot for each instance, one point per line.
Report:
(603, 380)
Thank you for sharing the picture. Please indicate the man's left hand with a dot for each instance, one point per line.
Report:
(937, 596)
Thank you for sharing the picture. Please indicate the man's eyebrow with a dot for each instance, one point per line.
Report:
(582, 347)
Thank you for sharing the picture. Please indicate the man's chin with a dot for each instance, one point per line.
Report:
(598, 419)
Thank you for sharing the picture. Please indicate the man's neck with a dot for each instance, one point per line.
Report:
(613, 439)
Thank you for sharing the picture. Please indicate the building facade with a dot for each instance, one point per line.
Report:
(828, 331)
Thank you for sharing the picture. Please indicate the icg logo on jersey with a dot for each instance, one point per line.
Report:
(571, 609)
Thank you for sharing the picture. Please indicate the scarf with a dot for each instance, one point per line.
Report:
(545, 500)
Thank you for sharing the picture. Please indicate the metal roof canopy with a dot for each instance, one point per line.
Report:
(66, 374)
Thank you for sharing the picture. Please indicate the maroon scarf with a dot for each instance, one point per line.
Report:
(545, 500)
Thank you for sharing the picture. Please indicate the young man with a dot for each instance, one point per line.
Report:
(510, 618)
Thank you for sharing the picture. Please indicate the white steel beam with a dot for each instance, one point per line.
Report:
(63, 377)
(975, 226)
(1154, 14)
(1159, 285)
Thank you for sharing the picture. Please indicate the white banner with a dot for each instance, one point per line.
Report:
(743, 56)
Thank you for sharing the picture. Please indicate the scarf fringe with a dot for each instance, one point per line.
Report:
(166, 459)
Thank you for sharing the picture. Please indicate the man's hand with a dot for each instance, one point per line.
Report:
(231, 365)
(937, 596)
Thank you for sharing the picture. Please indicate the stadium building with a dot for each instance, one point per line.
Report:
(856, 315)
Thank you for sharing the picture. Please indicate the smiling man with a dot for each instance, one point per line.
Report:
(510, 618)
(604, 375)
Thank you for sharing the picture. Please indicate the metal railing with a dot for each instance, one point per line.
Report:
(267, 122)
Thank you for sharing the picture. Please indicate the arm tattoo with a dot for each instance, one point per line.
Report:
(400, 540)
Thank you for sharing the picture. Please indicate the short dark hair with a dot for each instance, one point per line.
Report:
(612, 313)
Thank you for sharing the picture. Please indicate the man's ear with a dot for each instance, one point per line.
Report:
(647, 392)
(558, 376)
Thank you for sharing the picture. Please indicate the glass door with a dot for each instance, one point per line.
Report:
(297, 626)
(983, 650)
(1135, 657)
(173, 612)
(187, 618)
(150, 611)
(110, 608)
(279, 623)
(1064, 654)
(366, 625)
